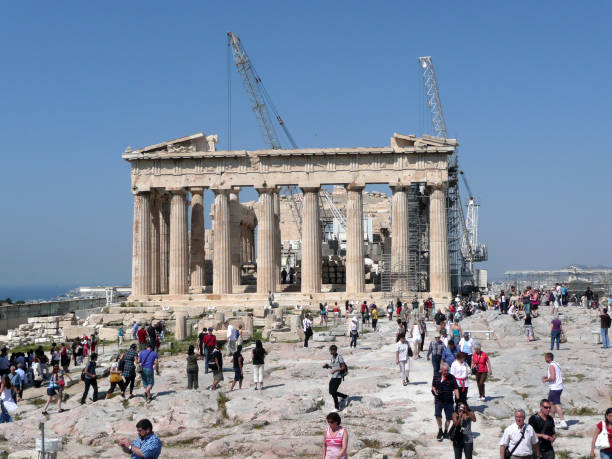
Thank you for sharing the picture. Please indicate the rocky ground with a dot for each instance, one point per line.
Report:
(383, 417)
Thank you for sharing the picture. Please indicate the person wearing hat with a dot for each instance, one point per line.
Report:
(209, 341)
(436, 348)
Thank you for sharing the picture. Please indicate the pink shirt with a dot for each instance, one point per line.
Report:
(333, 443)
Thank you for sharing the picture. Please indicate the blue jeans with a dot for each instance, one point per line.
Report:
(207, 354)
(605, 340)
(527, 307)
(605, 455)
(555, 336)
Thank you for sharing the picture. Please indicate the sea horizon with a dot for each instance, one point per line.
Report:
(37, 292)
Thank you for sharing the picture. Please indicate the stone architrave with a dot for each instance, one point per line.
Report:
(311, 242)
(235, 228)
(155, 248)
(222, 255)
(266, 262)
(164, 243)
(354, 240)
(141, 251)
(400, 237)
(439, 263)
(197, 240)
(179, 244)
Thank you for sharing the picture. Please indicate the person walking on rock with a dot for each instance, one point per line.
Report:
(519, 439)
(238, 361)
(192, 368)
(461, 371)
(374, 317)
(481, 367)
(89, 375)
(436, 348)
(210, 342)
(53, 390)
(338, 370)
(544, 426)
(115, 380)
(142, 338)
(307, 327)
(443, 387)
(216, 365)
(402, 358)
(231, 339)
(354, 333)
(147, 445)
(259, 355)
(605, 320)
(466, 345)
(554, 378)
(135, 330)
(128, 368)
(605, 424)
(555, 332)
(463, 443)
(417, 334)
(335, 438)
(150, 363)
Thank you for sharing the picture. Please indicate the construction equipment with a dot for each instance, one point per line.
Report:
(464, 249)
(264, 109)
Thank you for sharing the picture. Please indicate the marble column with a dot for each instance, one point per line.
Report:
(266, 262)
(164, 243)
(197, 240)
(179, 244)
(439, 264)
(277, 234)
(155, 243)
(354, 240)
(235, 227)
(311, 242)
(141, 249)
(400, 237)
(222, 254)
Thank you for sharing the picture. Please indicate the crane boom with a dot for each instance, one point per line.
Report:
(433, 97)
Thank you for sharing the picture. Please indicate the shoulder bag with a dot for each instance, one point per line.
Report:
(139, 364)
(508, 454)
(603, 440)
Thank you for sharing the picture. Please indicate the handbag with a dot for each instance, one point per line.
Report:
(508, 454)
(603, 439)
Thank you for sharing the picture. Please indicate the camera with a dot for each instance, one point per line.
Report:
(326, 366)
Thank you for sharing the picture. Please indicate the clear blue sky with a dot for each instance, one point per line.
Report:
(525, 87)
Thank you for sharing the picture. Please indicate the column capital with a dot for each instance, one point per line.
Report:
(137, 192)
(218, 191)
(265, 189)
(443, 186)
(310, 188)
(196, 189)
(354, 186)
(399, 186)
(177, 190)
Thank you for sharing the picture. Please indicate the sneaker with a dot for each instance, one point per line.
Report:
(256, 387)
(445, 434)
(405, 383)
(440, 435)
(563, 425)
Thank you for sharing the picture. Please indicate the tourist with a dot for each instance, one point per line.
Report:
(535, 302)
(159, 331)
(150, 362)
(64, 357)
(604, 318)
(466, 345)
(115, 380)
(53, 390)
(461, 371)
(544, 426)
(481, 367)
(336, 312)
(436, 348)
(129, 368)
(192, 368)
(120, 334)
(259, 356)
(239, 335)
(54, 353)
(555, 332)
(75, 344)
(94, 342)
(135, 330)
(443, 387)
(216, 366)
(146, 446)
(439, 317)
(152, 336)
(605, 453)
(89, 376)
(335, 438)
(22, 374)
(364, 311)
(402, 358)
(416, 339)
(423, 326)
(231, 336)
(238, 363)
(529, 328)
(503, 302)
(210, 342)
(270, 299)
(201, 341)
(404, 315)
(17, 382)
(456, 331)
(463, 441)
(338, 371)
(37, 372)
(323, 314)
(449, 354)
(4, 362)
(354, 333)
(283, 276)
(307, 327)
(400, 330)
(519, 439)
(554, 378)
(142, 338)
(390, 310)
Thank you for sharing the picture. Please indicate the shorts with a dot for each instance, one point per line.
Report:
(447, 407)
(554, 396)
(218, 376)
(51, 392)
(416, 340)
(148, 377)
(238, 376)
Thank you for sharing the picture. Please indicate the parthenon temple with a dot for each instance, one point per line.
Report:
(170, 260)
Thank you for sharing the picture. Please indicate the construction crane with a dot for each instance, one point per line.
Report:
(461, 230)
(265, 110)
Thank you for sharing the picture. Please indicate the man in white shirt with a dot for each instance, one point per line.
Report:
(231, 339)
(402, 359)
(554, 378)
(307, 326)
(519, 439)
(466, 345)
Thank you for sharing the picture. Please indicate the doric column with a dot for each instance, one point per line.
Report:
(439, 265)
(277, 234)
(266, 264)
(354, 240)
(155, 243)
(141, 249)
(400, 237)
(164, 243)
(243, 244)
(197, 240)
(311, 242)
(179, 244)
(222, 254)
(235, 217)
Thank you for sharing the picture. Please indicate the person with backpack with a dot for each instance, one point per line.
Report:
(338, 371)
(89, 376)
